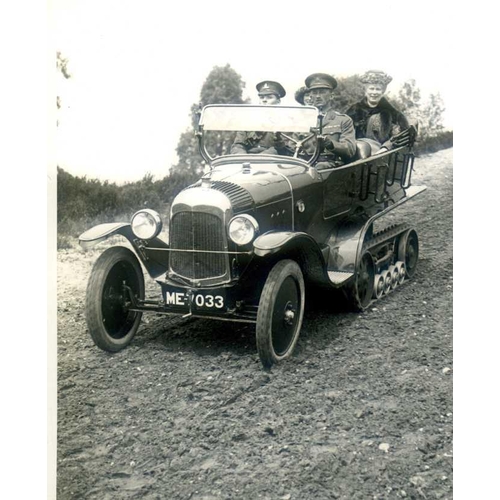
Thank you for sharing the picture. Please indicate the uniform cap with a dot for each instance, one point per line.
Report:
(321, 81)
(268, 87)
(376, 77)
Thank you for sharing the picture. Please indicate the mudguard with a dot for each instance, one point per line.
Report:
(151, 252)
(346, 242)
(272, 242)
(298, 246)
(102, 232)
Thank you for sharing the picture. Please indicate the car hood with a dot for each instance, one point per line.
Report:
(265, 181)
(252, 181)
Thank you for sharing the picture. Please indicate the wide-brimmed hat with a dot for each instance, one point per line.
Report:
(376, 77)
(300, 93)
(268, 87)
(321, 81)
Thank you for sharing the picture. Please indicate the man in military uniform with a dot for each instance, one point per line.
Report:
(339, 146)
(375, 119)
(270, 93)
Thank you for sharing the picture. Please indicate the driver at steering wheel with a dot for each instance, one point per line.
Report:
(270, 93)
(339, 145)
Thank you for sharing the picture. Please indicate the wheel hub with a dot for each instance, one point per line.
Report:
(289, 315)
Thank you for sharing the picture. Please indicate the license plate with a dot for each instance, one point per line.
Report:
(203, 300)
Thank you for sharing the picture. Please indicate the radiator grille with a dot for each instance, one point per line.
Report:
(197, 231)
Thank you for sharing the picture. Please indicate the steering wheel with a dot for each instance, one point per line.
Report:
(298, 143)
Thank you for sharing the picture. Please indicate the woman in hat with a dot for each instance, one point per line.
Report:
(375, 119)
(303, 96)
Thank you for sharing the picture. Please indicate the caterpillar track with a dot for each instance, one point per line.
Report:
(387, 258)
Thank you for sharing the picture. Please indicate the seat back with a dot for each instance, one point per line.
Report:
(363, 150)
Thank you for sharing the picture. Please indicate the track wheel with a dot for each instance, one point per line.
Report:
(111, 325)
(408, 251)
(281, 309)
(360, 292)
(378, 287)
(387, 279)
(394, 273)
(400, 266)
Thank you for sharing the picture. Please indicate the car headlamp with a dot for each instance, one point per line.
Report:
(146, 224)
(242, 229)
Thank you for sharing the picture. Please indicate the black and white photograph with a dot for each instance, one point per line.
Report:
(254, 257)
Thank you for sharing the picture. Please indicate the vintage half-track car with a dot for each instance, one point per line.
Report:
(255, 230)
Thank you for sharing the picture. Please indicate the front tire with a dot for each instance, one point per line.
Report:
(280, 314)
(111, 325)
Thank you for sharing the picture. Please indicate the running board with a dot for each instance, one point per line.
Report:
(339, 277)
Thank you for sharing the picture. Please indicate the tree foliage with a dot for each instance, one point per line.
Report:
(427, 114)
(433, 113)
(348, 92)
(408, 101)
(223, 85)
(89, 201)
(62, 65)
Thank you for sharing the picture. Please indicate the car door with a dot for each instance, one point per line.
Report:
(338, 188)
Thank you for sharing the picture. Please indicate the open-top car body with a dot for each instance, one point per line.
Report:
(255, 230)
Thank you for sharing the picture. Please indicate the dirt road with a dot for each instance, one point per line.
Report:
(363, 410)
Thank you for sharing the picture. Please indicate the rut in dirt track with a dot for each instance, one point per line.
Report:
(362, 410)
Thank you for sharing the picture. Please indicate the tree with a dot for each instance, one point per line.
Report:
(348, 92)
(408, 101)
(433, 113)
(62, 68)
(62, 65)
(428, 114)
(222, 86)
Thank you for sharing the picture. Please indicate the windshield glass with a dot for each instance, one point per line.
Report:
(244, 117)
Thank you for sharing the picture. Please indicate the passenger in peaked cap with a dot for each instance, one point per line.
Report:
(340, 143)
(270, 93)
(375, 119)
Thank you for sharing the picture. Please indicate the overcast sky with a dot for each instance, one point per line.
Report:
(138, 66)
